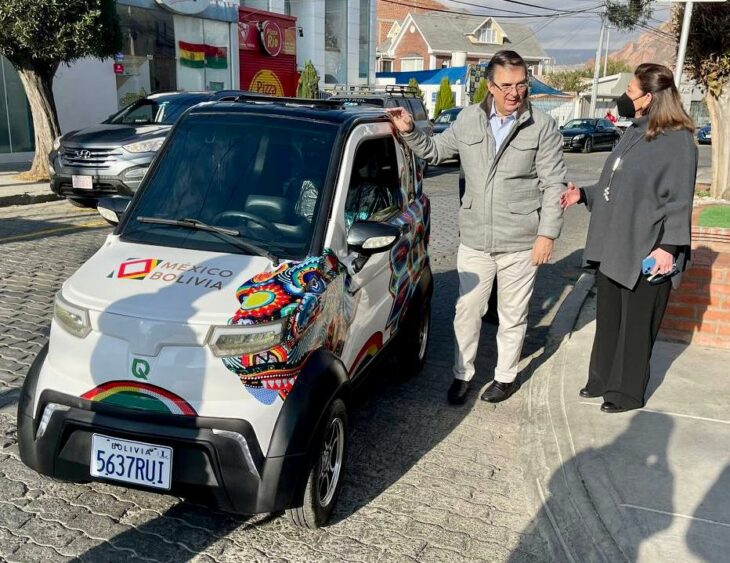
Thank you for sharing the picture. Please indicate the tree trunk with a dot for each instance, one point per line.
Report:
(719, 108)
(38, 84)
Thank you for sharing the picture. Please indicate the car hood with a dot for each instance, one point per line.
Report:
(113, 135)
(576, 131)
(161, 283)
(439, 127)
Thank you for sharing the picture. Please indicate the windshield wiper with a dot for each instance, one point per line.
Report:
(229, 235)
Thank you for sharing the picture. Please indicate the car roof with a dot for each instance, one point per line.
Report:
(163, 96)
(298, 108)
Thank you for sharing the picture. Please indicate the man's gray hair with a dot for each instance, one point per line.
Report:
(505, 59)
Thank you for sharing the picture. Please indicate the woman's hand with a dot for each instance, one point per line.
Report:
(664, 261)
(402, 119)
(569, 197)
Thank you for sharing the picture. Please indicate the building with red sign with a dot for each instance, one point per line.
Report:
(267, 52)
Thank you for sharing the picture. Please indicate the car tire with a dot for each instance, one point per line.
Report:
(412, 356)
(84, 203)
(588, 145)
(326, 469)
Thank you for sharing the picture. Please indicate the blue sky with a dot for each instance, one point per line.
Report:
(578, 31)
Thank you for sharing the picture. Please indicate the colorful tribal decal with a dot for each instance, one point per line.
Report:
(136, 269)
(143, 396)
(309, 296)
(408, 258)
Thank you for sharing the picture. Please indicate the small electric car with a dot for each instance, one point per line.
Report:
(276, 250)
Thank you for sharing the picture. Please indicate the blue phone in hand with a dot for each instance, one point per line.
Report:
(647, 265)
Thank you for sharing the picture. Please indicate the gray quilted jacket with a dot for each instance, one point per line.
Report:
(512, 196)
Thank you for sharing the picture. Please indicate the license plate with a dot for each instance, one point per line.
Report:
(82, 182)
(131, 462)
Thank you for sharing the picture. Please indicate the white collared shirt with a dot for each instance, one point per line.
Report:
(501, 126)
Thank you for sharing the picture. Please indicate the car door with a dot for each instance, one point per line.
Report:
(373, 160)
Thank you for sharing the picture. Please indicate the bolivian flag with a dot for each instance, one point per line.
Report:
(200, 55)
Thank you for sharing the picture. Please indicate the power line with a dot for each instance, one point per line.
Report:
(460, 13)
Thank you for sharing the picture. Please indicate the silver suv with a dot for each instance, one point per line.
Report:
(113, 157)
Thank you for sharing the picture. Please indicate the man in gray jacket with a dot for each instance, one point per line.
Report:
(512, 158)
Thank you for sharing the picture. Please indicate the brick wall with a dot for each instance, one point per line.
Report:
(389, 12)
(412, 44)
(699, 311)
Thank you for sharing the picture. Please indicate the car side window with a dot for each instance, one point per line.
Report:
(391, 103)
(606, 124)
(375, 191)
(418, 111)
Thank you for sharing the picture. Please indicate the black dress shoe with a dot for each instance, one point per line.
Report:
(610, 407)
(587, 394)
(457, 392)
(498, 391)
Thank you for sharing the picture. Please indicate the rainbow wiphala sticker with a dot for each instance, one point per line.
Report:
(142, 396)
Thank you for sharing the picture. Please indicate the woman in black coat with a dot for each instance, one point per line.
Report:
(641, 207)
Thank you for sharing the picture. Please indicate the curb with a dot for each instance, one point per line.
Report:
(28, 198)
(568, 518)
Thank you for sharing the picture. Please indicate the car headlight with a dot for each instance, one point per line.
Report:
(57, 143)
(135, 173)
(74, 319)
(578, 137)
(152, 145)
(236, 340)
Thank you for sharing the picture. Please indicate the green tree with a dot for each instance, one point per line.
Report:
(413, 83)
(628, 14)
(444, 98)
(37, 36)
(481, 91)
(708, 62)
(569, 80)
(308, 86)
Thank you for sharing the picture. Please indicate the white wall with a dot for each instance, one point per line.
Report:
(85, 93)
(310, 17)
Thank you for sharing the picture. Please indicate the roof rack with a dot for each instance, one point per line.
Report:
(397, 89)
(301, 102)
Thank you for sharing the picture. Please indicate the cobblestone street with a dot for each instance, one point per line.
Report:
(424, 481)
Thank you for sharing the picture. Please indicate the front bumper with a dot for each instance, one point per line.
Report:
(571, 143)
(215, 461)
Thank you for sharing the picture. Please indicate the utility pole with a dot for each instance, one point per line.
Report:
(597, 69)
(605, 65)
(683, 43)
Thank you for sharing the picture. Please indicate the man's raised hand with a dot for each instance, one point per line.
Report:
(402, 119)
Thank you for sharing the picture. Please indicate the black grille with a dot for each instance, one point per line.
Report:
(89, 158)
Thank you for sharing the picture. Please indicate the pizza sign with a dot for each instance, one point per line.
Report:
(272, 39)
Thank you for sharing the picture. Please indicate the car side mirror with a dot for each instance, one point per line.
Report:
(113, 208)
(371, 237)
(561, 127)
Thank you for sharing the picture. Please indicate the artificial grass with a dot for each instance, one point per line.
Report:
(715, 216)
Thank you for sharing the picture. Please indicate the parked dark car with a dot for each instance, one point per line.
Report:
(704, 135)
(113, 157)
(445, 119)
(589, 134)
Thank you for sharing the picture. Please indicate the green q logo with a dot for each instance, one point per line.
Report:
(140, 368)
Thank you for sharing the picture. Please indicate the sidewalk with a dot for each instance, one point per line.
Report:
(17, 192)
(647, 485)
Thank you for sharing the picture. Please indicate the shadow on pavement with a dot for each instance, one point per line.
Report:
(608, 481)
(709, 531)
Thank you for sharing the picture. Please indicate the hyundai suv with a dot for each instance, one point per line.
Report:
(275, 253)
(113, 157)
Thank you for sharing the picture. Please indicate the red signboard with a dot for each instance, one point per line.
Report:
(267, 55)
(272, 39)
(118, 68)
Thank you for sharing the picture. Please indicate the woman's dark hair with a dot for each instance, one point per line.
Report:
(505, 59)
(665, 111)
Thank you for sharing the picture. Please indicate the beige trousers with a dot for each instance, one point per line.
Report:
(515, 275)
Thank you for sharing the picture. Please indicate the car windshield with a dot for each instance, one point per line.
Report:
(261, 176)
(579, 124)
(148, 111)
(446, 117)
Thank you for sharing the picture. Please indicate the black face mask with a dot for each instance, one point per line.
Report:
(625, 106)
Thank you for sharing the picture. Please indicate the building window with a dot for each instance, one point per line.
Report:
(387, 66)
(487, 35)
(409, 64)
(335, 41)
(446, 63)
(364, 67)
(16, 121)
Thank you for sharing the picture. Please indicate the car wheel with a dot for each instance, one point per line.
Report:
(588, 146)
(86, 203)
(324, 479)
(412, 357)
